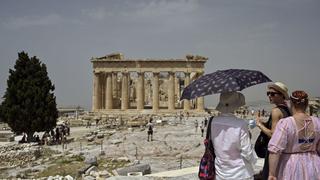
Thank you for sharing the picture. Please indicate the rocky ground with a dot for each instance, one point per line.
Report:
(175, 145)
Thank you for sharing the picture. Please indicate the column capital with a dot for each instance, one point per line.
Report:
(200, 73)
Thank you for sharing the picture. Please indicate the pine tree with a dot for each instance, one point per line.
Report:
(29, 104)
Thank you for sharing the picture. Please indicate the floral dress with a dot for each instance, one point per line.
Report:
(299, 158)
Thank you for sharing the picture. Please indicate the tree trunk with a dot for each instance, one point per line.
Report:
(30, 136)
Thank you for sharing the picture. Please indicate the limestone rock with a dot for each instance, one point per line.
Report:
(144, 168)
(91, 160)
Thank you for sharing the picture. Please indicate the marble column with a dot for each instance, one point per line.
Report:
(109, 91)
(140, 91)
(176, 87)
(186, 103)
(200, 100)
(96, 92)
(171, 97)
(114, 84)
(200, 103)
(155, 92)
(124, 92)
(102, 82)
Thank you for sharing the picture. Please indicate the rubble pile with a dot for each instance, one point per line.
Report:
(19, 154)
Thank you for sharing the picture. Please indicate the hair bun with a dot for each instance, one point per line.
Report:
(299, 97)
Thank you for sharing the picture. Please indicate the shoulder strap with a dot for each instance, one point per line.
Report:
(285, 110)
(208, 135)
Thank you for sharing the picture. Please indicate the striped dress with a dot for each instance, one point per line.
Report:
(299, 158)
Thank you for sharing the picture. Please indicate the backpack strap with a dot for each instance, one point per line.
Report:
(285, 110)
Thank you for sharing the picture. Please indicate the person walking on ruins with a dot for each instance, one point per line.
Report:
(230, 137)
(97, 122)
(196, 124)
(150, 129)
(206, 121)
(202, 128)
(186, 116)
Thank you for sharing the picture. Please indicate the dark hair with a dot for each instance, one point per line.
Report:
(299, 99)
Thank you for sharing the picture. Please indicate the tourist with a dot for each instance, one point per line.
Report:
(202, 128)
(186, 116)
(88, 124)
(52, 134)
(205, 121)
(150, 129)
(97, 122)
(57, 135)
(235, 156)
(196, 124)
(295, 146)
(278, 94)
(252, 112)
(23, 139)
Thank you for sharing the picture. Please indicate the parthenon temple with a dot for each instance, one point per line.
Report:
(144, 85)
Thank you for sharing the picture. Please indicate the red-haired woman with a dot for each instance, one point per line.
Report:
(295, 145)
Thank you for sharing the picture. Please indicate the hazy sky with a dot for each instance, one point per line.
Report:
(278, 37)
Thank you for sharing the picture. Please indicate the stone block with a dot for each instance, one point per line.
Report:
(91, 160)
(144, 168)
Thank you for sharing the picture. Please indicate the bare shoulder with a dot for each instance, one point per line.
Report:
(276, 111)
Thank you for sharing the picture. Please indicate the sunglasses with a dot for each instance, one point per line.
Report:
(272, 93)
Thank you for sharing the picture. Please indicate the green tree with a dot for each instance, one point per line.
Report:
(29, 104)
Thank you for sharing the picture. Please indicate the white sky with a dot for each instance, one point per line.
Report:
(278, 37)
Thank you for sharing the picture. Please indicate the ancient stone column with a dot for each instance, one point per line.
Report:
(155, 92)
(140, 91)
(200, 104)
(114, 84)
(200, 100)
(171, 98)
(124, 92)
(109, 91)
(176, 87)
(96, 91)
(186, 103)
(102, 82)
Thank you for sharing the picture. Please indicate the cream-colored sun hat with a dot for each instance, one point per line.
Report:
(279, 86)
(230, 101)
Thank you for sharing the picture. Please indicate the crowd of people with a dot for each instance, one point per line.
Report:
(54, 136)
(293, 138)
(57, 135)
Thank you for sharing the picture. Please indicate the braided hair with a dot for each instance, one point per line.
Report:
(299, 99)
